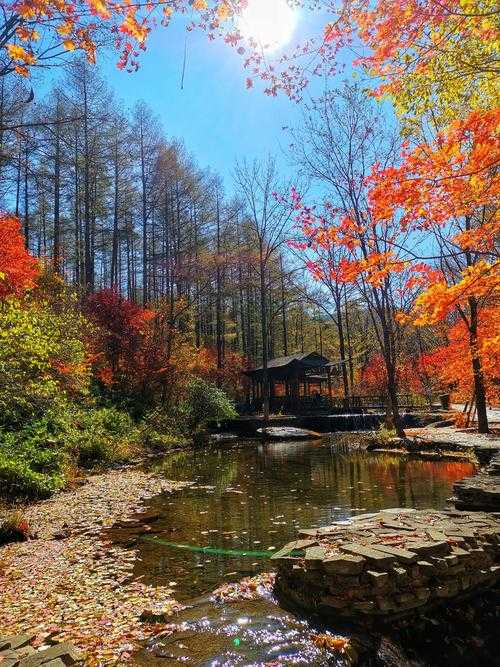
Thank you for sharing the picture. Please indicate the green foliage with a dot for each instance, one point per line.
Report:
(205, 403)
(42, 360)
(35, 460)
(160, 431)
(30, 463)
(105, 435)
(384, 434)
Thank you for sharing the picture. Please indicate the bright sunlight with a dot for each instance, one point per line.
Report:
(271, 23)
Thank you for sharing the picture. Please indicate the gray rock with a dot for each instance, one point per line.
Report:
(64, 651)
(288, 433)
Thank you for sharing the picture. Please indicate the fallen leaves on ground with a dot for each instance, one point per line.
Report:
(249, 588)
(73, 585)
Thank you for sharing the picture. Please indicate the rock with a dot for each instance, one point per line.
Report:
(344, 564)
(481, 491)
(400, 554)
(9, 658)
(355, 569)
(156, 615)
(379, 557)
(16, 641)
(288, 433)
(64, 651)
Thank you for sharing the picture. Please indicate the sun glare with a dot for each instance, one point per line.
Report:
(271, 23)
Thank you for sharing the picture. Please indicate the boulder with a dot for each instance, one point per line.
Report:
(288, 433)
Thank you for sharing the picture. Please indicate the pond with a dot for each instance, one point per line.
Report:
(250, 499)
(246, 501)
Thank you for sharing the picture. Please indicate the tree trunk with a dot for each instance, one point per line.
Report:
(340, 328)
(283, 309)
(114, 249)
(479, 389)
(56, 252)
(265, 342)
(218, 303)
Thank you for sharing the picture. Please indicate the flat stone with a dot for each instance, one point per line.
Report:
(400, 554)
(344, 564)
(397, 526)
(65, 651)
(378, 579)
(315, 553)
(367, 552)
(297, 545)
(429, 548)
(288, 433)
(426, 567)
(334, 601)
(16, 641)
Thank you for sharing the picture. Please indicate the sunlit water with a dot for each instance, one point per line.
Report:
(254, 498)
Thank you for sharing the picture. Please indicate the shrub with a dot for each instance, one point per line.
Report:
(13, 527)
(161, 431)
(42, 360)
(204, 403)
(30, 463)
(105, 435)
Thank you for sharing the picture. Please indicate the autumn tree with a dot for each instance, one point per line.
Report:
(268, 220)
(18, 269)
(449, 188)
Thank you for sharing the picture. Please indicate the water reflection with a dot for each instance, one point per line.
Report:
(255, 498)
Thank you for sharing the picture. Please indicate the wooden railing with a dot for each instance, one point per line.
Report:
(355, 404)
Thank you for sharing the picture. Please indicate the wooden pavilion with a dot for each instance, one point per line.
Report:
(294, 381)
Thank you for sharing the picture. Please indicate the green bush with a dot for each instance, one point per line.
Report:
(30, 463)
(42, 360)
(161, 431)
(35, 460)
(105, 435)
(204, 404)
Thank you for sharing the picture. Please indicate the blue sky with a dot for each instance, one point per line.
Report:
(216, 116)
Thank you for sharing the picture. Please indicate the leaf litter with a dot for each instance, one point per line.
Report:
(71, 584)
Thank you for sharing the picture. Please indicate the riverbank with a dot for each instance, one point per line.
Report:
(69, 583)
(441, 443)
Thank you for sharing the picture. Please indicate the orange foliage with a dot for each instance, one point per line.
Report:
(450, 178)
(451, 363)
(373, 379)
(76, 24)
(18, 269)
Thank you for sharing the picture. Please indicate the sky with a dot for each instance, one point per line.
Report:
(215, 115)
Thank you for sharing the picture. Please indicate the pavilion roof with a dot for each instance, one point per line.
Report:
(304, 360)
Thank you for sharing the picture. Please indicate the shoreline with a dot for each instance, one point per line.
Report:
(70, 583)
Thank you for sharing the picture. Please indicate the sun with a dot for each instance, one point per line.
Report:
(271, 23)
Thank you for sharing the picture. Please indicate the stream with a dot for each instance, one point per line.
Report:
(246, 501)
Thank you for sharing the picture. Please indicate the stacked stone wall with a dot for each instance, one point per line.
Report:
(389, 564)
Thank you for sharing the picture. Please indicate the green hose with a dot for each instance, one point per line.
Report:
(215, 551)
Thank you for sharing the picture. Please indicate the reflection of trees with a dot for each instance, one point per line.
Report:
(322, 477)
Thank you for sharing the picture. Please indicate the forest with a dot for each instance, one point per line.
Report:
(154, 279)
(139, 288)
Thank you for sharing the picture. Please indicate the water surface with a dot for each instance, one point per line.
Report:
(252, 498)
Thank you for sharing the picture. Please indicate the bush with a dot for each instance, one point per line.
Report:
(106, 435)
(30, 463)
(13, 527)
(160, 431)
(42, 360)
(205, 403)
(35, 460)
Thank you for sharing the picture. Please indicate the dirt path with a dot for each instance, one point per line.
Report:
(71, 584)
